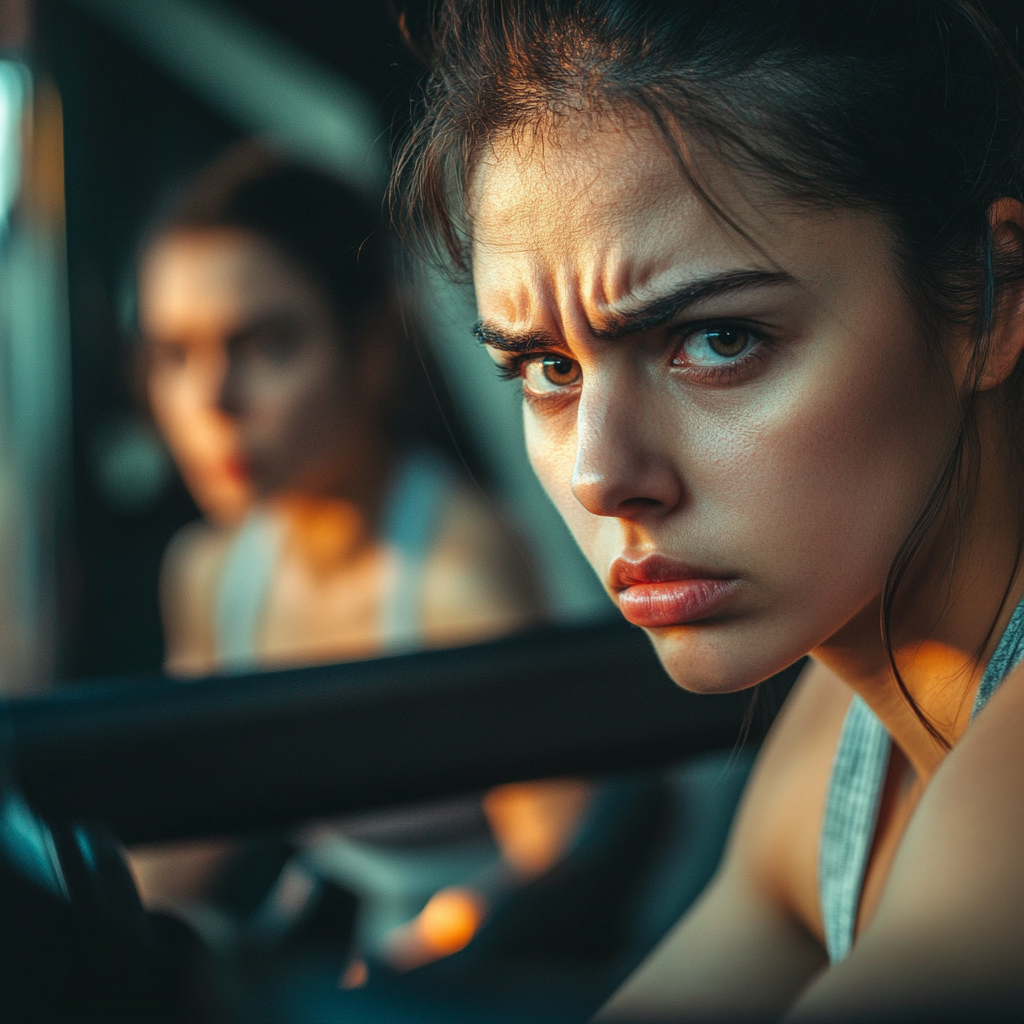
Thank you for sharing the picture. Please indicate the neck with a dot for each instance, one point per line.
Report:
(946, 621)
(325, 533)
(332, 525)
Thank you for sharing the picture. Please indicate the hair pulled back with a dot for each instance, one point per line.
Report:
(317, 222)
(910, 109)
(337, 240)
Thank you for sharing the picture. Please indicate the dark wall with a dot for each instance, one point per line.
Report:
(129, 132)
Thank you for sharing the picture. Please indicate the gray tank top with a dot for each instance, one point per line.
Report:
(408, 528)
(855, 790)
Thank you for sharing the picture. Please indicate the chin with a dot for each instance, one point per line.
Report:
(716, 658)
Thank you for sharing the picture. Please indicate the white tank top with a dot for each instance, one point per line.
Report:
(408, 527)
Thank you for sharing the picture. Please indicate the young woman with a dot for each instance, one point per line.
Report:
(337, 520)
(298, 411)
(759, 270)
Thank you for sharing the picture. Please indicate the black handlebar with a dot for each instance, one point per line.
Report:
(156, 759)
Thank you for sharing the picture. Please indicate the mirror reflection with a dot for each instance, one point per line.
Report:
(340, 519)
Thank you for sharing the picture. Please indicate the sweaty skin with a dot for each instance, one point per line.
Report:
(762, 410)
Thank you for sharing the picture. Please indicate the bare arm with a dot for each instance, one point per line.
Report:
(733, 957)
(188, 579)
(947, 940)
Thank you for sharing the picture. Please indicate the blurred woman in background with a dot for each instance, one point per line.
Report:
(338, 523)
(279, 371)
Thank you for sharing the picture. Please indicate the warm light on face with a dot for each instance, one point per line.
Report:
(245, 370)
(739, 435)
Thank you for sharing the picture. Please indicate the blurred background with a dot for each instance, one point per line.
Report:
(529, 902)
(109, 107)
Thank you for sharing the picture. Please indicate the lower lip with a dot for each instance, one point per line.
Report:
(674, 603)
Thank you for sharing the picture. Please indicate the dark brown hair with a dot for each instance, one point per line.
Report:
(339, 242)
(912, 109)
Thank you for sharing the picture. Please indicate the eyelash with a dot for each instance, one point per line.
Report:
(725, 374)
(512, 368)
(722, 375)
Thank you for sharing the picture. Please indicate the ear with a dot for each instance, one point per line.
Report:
(1006, 219)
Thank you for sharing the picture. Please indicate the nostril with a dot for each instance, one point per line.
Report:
(635, 505)
(628, 498)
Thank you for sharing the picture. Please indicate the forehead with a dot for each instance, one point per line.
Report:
(578, 220)
(604, 203)
(215, 276)
(574, 171)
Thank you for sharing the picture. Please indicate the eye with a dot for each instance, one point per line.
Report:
(713, 346)
(276, 344)
(165, 355)
(550, 373)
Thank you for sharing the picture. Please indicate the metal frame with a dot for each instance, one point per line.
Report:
(155, 759)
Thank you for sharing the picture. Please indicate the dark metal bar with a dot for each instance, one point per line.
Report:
(155, 759)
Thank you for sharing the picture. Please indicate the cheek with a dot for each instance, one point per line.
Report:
(551, 446)
(181, 413)
(817, 484)
(308, 405)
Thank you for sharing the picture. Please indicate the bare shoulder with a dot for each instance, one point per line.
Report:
(949, 928)
(479, 579)
(191, 569)
(778, 826)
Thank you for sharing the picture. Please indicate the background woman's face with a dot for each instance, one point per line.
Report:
(246, 377)
(739, 435)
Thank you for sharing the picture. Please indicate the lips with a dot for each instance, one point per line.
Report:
(657, 591)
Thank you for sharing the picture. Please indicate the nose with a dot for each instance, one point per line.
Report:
(624, 466)
(228, 391)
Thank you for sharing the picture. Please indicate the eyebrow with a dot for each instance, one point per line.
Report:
(271, 320)
(642, 317)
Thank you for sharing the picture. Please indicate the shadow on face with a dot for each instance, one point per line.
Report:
(739, 431)
(247, 374)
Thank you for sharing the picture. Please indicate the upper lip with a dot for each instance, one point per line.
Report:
(654, 568)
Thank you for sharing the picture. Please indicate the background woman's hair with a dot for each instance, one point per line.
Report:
(912, 109)
(339, 242)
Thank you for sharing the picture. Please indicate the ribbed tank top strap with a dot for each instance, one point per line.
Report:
(851, 809)
(408, 529)
(1007, 656)
(855, 791)
(244, 590)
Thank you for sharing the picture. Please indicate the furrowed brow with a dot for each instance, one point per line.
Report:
(656, 312)
(516, 342)
(643, 317)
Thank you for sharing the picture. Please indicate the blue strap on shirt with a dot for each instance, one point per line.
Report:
(855, 791)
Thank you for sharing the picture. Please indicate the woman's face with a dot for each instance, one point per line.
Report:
(246, 377)
(739, 433)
